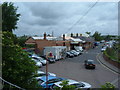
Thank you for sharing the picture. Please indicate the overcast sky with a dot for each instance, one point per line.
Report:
(39, 17)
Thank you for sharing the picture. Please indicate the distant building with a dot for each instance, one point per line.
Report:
(70, 41)
(41, 42)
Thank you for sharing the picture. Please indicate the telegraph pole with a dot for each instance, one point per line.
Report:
(46, 72)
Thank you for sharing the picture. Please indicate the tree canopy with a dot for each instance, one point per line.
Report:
(9, 17)
(97, 36)
(17, 67)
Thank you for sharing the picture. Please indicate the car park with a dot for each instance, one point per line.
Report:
(41, 74)
(89, 64)
(51, 60)
(80, 52)
(76, 84)
(38, 63)
(68, 54)
(43, 61)
(74, 53)
(77, 52)
(51, 80)
(103, 49)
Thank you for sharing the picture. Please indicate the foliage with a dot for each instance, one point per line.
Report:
(17, 67)
(114, 52)
(107, 38)
(30, 46)
(21, 40)
(65, 85)
(88, 33)
(107, 86)
(97, 36)
(9, 17)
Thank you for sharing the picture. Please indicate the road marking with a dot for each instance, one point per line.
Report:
(105, 65)
(114, 81)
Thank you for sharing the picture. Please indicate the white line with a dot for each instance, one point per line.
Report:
(114, 81)
(105, 66)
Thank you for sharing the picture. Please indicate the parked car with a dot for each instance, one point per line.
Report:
(38, 63)
(89, 64)
(43, 61)
(80, 52)
(50, 82)
(68, 54)
(103, 49)
(51, 60)
(76, 84)
(41, 74)
(74, 53)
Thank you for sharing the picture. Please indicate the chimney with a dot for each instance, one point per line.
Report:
(77, 35)
(63, 37)
(44, 36)
(71, 34)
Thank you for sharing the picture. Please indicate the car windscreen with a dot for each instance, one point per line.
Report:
(90, 62)
(54, 80)
(41, 74)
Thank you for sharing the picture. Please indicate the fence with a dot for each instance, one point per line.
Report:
(10, 85)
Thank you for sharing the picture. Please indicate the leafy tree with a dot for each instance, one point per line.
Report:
(9, 17)
(97, 36)
(21, 40)
(17, 67)
(88, 33)
(65, 85)
(108, 37)
(108, 86)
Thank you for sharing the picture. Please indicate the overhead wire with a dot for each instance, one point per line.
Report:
(81, 17)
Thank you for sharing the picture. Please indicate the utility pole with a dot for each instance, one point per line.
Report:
(47, 71)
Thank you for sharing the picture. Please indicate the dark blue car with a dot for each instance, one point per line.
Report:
(50, 82)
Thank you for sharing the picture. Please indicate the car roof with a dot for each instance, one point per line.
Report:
(40, 72)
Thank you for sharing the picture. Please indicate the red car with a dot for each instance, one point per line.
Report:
(89, 64)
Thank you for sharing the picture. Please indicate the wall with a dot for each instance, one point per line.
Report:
(116, 64)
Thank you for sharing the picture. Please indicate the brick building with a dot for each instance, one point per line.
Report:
(41, 42)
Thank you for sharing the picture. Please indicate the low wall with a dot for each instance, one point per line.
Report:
(116, 64)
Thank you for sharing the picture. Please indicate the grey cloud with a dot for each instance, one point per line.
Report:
(40, 17)
(43, 22)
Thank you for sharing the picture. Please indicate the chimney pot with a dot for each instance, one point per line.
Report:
(77, 35)
(64, 37)
(71, 34)
(44, 36)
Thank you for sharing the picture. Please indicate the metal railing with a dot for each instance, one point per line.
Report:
(2, 81)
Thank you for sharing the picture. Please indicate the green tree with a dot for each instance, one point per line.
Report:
(108, 37)
(21, 40)
(17, 67)
(9, 17)
(65, 85)
(97, 36)
(88, 33)
(108, 86)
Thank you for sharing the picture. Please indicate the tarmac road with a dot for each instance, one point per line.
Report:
(73, 68)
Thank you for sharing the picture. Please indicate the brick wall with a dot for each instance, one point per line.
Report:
(40, 44)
